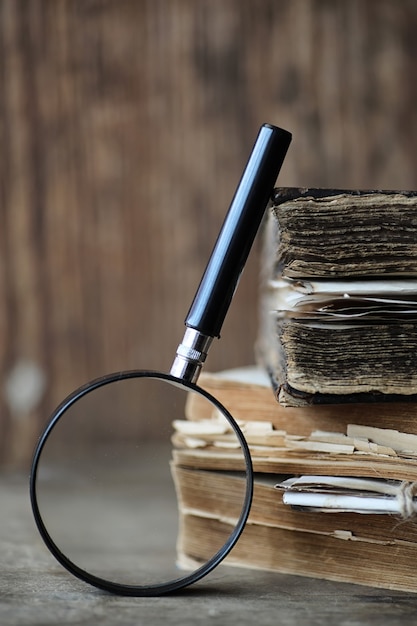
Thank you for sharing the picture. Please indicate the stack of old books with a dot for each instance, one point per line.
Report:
(333, 439)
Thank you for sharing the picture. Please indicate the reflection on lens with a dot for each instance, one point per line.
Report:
(112, 499)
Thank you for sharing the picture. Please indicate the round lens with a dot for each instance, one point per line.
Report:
(123, 472)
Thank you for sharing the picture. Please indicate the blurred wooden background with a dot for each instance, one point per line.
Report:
(124, 127)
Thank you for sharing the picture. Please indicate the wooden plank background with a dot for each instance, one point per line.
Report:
(124, 127)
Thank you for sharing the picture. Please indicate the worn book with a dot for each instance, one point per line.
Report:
(358, 451)
(334, 497)
(338, 319)
(247, 393)
(373, 549)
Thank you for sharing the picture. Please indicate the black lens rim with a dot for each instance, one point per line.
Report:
(157, 588)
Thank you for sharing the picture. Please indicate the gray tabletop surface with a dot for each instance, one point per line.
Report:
(35, 589)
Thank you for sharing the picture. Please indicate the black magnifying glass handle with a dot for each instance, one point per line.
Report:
(215, 292)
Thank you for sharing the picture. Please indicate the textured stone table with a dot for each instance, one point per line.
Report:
(34, 589)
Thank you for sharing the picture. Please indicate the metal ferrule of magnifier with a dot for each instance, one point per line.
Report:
(191, 354)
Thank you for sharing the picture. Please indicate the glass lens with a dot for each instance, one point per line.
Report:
(124, 470)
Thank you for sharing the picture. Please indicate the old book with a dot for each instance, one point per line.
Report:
(247, 393)
(338, 317)
(369, 549)
(297, 440)
(373, 550)
(320, 453)
(344, 233)
(300, 537)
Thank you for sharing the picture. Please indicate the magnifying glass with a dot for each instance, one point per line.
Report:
(108, 512)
